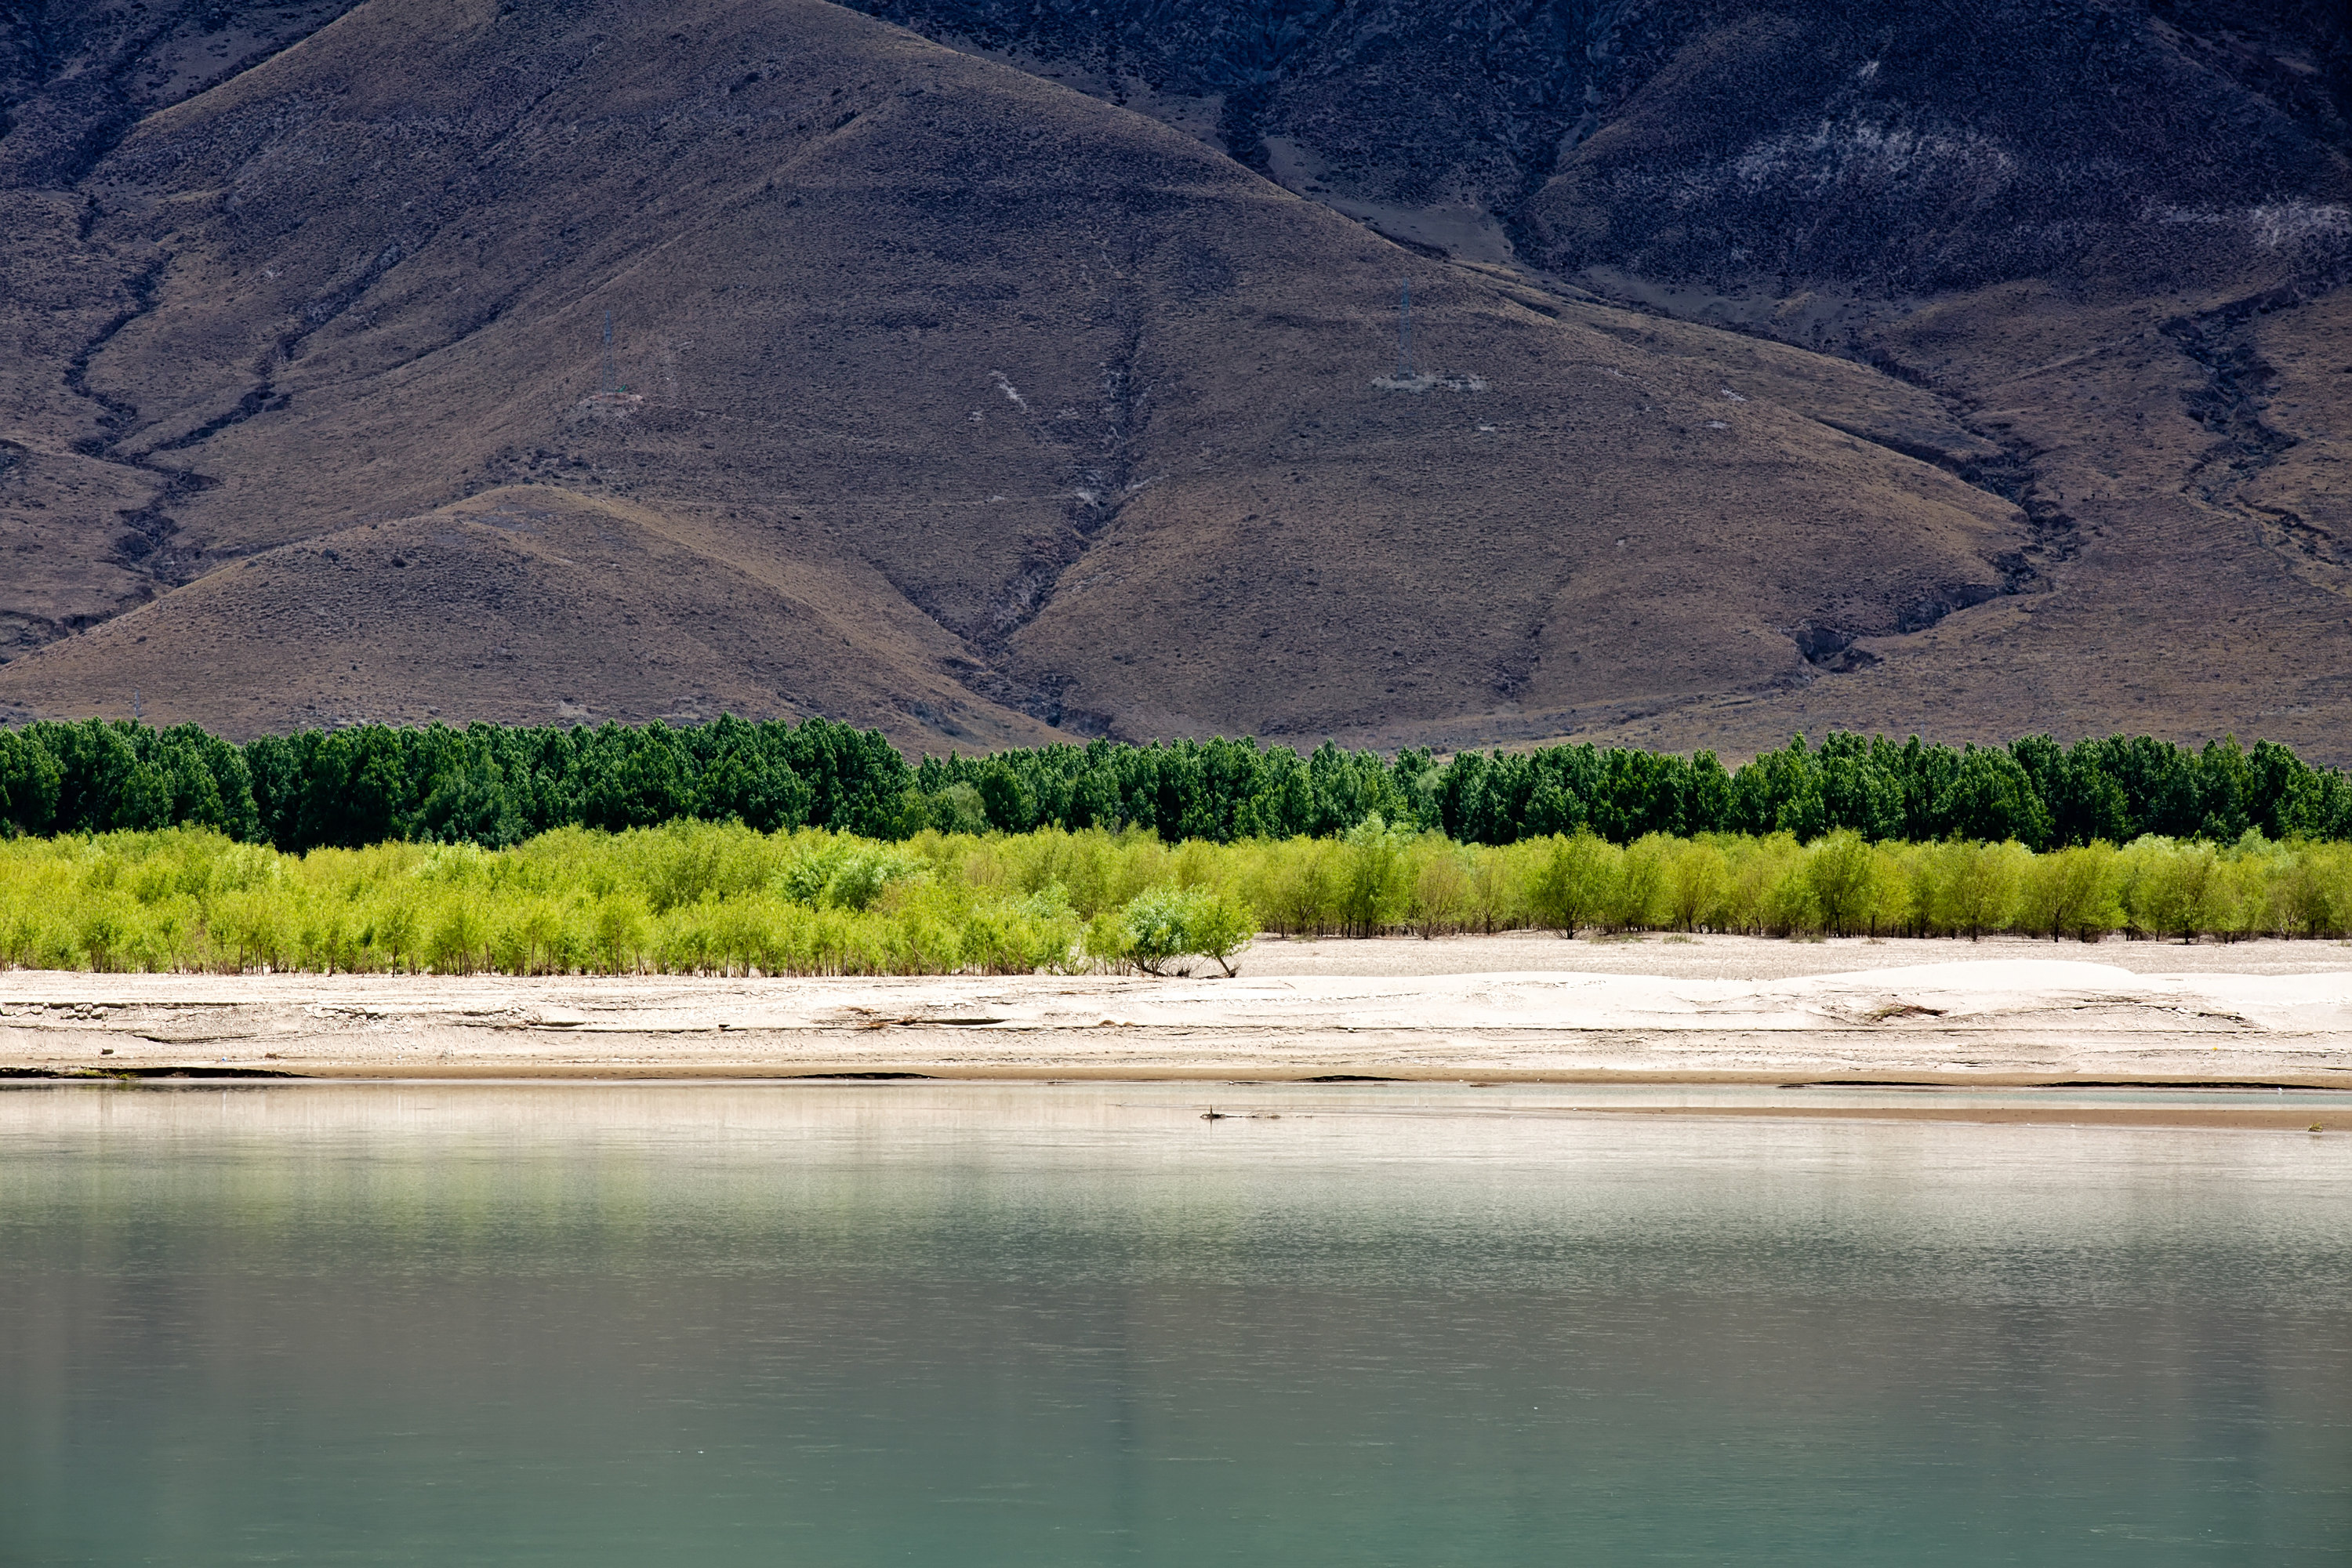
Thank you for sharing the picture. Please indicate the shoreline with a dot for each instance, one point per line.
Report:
(2309, 1110)
(1050, 1074)
(1728, 1011)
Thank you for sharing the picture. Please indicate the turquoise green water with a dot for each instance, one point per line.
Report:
(1029, 1325)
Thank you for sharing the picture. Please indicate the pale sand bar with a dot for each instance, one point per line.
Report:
(1502, 1009)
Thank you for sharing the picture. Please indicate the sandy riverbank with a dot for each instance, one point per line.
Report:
(1495, 1009)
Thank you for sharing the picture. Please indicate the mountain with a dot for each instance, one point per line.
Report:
(1978, 369)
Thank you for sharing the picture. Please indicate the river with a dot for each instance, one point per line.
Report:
(1024, 1324)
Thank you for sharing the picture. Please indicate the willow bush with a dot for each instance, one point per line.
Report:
(697, 897)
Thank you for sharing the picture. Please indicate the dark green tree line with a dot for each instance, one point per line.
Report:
(497, 785)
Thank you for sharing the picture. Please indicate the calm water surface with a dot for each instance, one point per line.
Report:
(1037, 1326)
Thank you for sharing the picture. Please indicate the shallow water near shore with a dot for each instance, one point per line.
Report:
(985, 1324)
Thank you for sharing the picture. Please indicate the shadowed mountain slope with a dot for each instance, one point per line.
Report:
(75, 75)
(1871, 145)
(953, 401)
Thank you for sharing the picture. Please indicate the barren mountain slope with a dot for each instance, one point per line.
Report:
(2187, 489)
(955, 402)
(529, 602)
(2111, 237)
(75, 75)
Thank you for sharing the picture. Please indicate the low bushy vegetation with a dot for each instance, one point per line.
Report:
(688, 898)
(723, 899)
(1376, 879)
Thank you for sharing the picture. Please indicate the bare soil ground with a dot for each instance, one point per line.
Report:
(1502, 1009)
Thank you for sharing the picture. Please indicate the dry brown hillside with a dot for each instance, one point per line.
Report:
(957, 402)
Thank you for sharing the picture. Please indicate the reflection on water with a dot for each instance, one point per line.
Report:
(979, 1325)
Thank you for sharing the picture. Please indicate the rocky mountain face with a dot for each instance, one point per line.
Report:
(1974, 368)
(1883, 147)
(1903, 150)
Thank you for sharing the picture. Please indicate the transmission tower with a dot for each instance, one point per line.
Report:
(1405, 329)
(610, 383)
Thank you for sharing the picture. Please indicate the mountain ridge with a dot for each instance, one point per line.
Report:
(1064, 423)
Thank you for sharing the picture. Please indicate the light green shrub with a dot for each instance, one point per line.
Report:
(723, 899)
(1162, 924)
(1574, 881)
